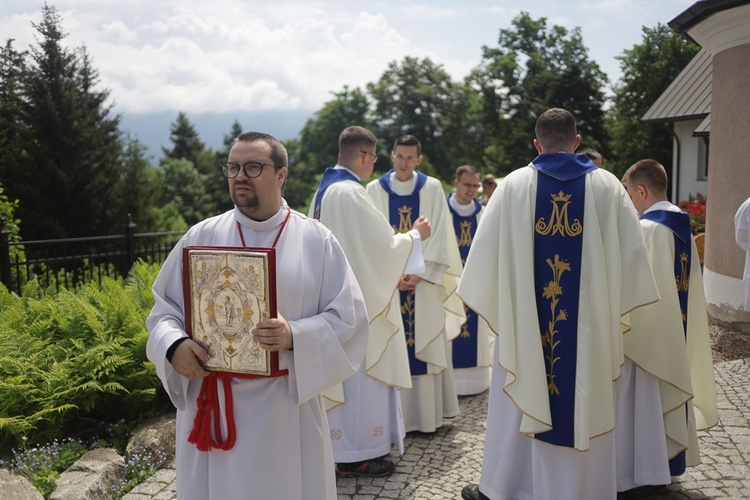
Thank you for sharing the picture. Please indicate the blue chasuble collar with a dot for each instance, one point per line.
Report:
(331, 176)
(386, 185)
(677, 222)
(564, 166)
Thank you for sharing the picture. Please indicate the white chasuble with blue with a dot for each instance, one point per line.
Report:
(679, 224)
(465, 345)
(402, 212)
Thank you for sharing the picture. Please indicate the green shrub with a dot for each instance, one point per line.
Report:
(75, 362)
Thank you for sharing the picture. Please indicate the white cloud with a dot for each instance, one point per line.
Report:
(252, 55)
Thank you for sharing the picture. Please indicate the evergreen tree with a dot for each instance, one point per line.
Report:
(138, 188)
(648, 69)
(185, 141)
(219, 191)
(13, 137)
(71, 143)
(187, 145)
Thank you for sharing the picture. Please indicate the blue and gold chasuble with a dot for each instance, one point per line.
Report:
(331, 176)
(679, 224)
(465, 345)
(402, 212)
(558, 244)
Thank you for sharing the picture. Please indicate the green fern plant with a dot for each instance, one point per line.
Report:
(73, 361)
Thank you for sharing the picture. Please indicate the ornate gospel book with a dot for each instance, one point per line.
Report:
(227, 292)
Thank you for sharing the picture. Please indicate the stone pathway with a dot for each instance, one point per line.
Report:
(437, 466)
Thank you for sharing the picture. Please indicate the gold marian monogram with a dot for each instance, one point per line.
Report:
(683, 280)
(465, 239)
(405, 223)
(558, 221)
(553, 291)
(407, 307)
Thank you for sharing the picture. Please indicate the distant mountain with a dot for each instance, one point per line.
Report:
(152, 129)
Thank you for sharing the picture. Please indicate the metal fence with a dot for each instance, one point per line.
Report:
(71, 261)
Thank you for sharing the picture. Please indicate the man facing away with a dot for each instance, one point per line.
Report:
(282, 447)
(402, 194)
(365, 414)
(666, 390)
(557, 260)
(470, 344)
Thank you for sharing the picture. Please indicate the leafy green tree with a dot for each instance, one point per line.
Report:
(418, 97)
(533, 68)
(648, 68)
(318, 144)
(182, 186)
(71, 143)
(187, 145)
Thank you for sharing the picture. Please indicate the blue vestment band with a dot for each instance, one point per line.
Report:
(465, 345)
(402, 212)
(330, 176)
(679, 224)
(558, 245)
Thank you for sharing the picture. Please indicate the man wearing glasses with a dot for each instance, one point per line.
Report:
(320, 333)
(365, 412)
(470, 340)
(403, 194)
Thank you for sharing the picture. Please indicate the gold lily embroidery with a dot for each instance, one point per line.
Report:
(683, 280)
(407, 307)
(552, 291)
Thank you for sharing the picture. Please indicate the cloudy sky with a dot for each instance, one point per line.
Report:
(227, 57)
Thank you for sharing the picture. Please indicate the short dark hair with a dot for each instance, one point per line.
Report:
(489, 180)
(592, 153)
(408, 140)
(649, 173)
(464, 169)
(353, 139)
(279, 156)
(556, 130)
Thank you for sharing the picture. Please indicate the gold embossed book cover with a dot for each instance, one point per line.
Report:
(227, 292)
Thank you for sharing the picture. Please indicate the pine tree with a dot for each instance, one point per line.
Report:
(66, 180)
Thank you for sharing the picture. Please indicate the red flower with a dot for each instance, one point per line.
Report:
(696, 208)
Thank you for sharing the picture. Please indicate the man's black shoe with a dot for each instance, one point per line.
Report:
(472, 492)
(376, 467)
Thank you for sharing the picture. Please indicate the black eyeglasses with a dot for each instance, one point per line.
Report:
(251, 169)
(374, 156)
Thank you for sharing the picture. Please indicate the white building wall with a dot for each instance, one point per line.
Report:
(690, 157)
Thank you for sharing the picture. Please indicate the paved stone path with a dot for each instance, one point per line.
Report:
(437, 466)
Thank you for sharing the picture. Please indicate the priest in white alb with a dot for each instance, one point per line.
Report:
(471, 353)
(264, 437)
(364, 413)
(403, 194)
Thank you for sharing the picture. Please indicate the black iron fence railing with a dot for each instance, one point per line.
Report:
(70, 261)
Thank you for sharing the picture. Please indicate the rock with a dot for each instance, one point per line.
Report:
(153, 439)
(13, 487)
(94, 476)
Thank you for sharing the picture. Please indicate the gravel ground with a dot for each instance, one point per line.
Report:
(728, 345)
